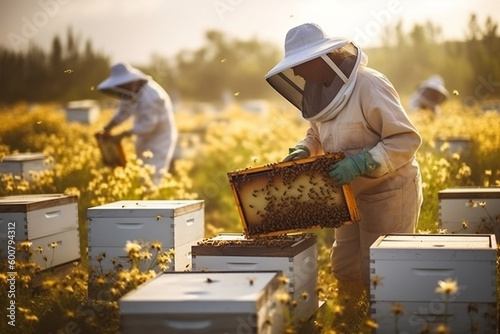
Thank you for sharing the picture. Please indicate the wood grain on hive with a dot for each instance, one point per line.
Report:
(292, 196)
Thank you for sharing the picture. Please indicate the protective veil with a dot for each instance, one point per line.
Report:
(317, 102)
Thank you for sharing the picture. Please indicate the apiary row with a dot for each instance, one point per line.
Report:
(290, 260)
(406, 267)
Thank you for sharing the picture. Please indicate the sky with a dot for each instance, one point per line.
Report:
(133, 30)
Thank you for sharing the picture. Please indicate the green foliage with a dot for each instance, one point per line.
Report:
(223, 68)
(66, 73)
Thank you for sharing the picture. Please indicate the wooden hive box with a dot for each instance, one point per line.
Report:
(199, 302)
(292, 196)
(44, 220)
(177, 224)
(469, 210)
(22, 164)
(294, 255)
(407, 269)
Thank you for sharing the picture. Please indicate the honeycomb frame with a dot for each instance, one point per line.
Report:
(293, 196)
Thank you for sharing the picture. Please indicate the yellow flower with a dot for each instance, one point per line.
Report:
(283, 297)
(32, 318)
(132, 247)
(371, 323)
(156, 245)
(397, 309)
(442, 329)
(147, 154)
(338, 310)
(447, 287)
(54, 245)
(100, 280)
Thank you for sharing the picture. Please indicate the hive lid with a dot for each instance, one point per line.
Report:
(434, 241)
(141, 208)
(28, 156)
(202, 293)
(233, 244)
(292, 196)
(31, 202)
(469, 193)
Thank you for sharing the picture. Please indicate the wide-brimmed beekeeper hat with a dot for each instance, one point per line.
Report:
(435, 82)
(316, 102)
(304, 43)
(122, 73)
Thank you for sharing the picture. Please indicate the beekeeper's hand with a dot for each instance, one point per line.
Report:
(352, 166)
(120, 136)
(298, 152)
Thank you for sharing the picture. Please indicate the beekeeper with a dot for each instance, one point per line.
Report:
(151, 108)
(429, 95)
(356, 110)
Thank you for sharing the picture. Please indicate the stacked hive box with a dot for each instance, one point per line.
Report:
(175, 224)
(188, 302)
(23, 164)
(48, 221)
(294, 255)
(470, 210)
(83, 111)
(406, 271)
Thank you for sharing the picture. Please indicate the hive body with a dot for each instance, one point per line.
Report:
(407, 269)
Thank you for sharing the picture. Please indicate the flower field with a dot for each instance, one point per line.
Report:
(211, 144)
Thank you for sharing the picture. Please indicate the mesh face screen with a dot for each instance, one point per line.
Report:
(309, 97)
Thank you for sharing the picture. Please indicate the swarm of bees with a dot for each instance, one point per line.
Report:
(285, 197)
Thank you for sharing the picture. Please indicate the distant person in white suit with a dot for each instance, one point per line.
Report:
(429, 95)
(151, 108)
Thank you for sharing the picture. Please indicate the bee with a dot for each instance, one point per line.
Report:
(209, 280)
(283, 280)
(158, 218)
(304, 295)
(251, 280)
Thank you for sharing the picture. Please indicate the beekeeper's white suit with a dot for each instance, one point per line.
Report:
(152, 111)
(360, 114)
(429, 95)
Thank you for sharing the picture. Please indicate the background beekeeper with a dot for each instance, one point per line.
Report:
(151, 108)
(429, 95)
(354, 109)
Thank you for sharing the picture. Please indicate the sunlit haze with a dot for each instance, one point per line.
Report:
(132, 30)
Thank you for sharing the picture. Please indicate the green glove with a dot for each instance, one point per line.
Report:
(298, 152)
(352, 166)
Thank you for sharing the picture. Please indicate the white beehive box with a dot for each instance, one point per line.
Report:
(177, 224)
(470, 210)
(199, 302)
(296, 257)
(44, 220)
(22, 164)
(83, 111)
(408, 267)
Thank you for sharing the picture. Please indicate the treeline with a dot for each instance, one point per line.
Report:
(69, 71)
(470, 67)
(225, 67)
